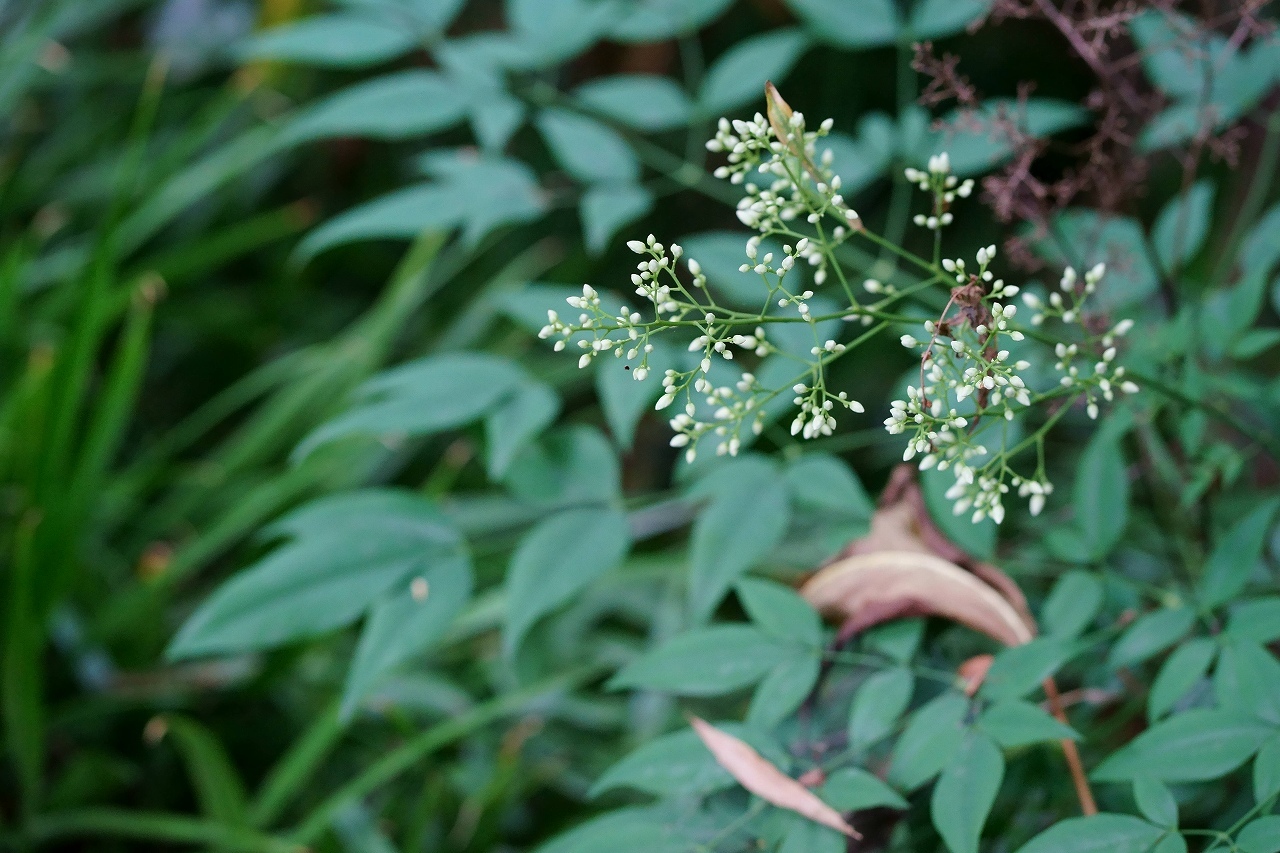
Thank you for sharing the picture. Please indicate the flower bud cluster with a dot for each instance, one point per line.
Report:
(945, 188)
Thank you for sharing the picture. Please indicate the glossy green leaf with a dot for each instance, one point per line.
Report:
(645, 102)
(706, 662)
(1014, 723)
(1247, 679)
(1072, 604)
(780, 611)
(738, 77)
(1191, 747)
(401, 105)
(1101, 833)
(1019, 670)
(1182, 226)
(1236, 556)
(783, 690)
(322, 579)
(1150, 634)
(871, 23)
(606, 208)
(1261, 835)
(853, 788)
(1180, 671)
(1101, 494)
(745, 519)
(878, 706)
(1155, 801)
(407, 622)
(966, 791)
(930, 739)
(587, 149)
(557, 559)
(339, 40)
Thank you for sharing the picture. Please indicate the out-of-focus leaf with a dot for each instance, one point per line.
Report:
(394, 106)
(1113, 833)
(1235, 558)
(607, 207)
(552, 31)
(966, 791)
(1266, 771)
(1257, 619)
(825, 482)
(929, 741)
(1187, 665)
(784, 689)
(1014, 723)
(738, 77)
(407, 622)
(853, 788)
(1090, 238)
(1192, 747)
(1247, 679)
(632, 830)
(1101, 494)
(659, 20)
(868, 24)
(880, 702)
(1261, 835)
(568, 466)
(706, 662)
(762, 778)
(935, 19)
(1150, 634)
(587, 149)
(1155, 801)
(338, 40)
(1182, 226)
(1019, 670)
(677, 765)
(531, 408)
(979, 140)
(642, 101)
(778, 610)
(559, 557)
(1072, 605)
(805, 836)
(213, 775)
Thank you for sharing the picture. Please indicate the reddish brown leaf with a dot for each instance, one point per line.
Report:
(974, 671)
(766, 781)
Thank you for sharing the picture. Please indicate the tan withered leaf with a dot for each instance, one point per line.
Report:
(766, 781)
(867, 589)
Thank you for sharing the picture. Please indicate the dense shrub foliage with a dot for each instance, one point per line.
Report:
(689, 426)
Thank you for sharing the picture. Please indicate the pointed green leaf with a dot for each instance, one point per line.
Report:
(1266, 771)
(780, 611)
(642, 101)
(509, 427)
(1182, 226)
(1187, 665)
(606, 208)
(738, 77)
(587, 149)
(1236, 556)
(394, 106)
(1073, 604)
(1155, 801)
(1014, 723)
(706, 662)
(966, 791)
(783, 690)
(853, 788)
(875, 22)
(878, 706)
(1101, 833)
(338, 41)
(1192, 747)
(1151, 634)
(1247, 679)
(929, 741)
(1019, 670)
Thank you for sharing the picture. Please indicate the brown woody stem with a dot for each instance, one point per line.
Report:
(1070, 752)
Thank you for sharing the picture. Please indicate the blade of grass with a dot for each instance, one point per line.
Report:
(152, 826)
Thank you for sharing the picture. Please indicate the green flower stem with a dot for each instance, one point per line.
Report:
(433, 739)
(152, 826)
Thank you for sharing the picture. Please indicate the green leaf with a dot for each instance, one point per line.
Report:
(1155, 801)
(1193, 747)
(778, 610)
(623, 399)
(1187, 665)
(394, 106)
(706, 662)
(1101, 833)
(558, 558)
(1014, 723)
(978, 140)
(898, 640)
(568, 466)
(633, 830)
(1021, 669)
(1083, 238)
(645, 102)
(517, 421)
(606, 208)
(977, 539)
(935, 19)
(783, 690)
(721, 254)
(1151, 634)
(930, 739)
(1072, 604)
(587, 149)
(1101, 494)
(1266, 771)
(1247, 679)
(805, 836)
(407, 622)
(678, 765)
(853, 788)
(1169, 60)
(878, 705)
(659, 20)
(875, 22)
(337, 41)
(1235, 557)
(1173, 842)
(552, 31)
(1182, 226)
(1260, 836)
(432, 394)
(824, 482)
(966, 791)
(746, 518)
(323, 578)
(218, 787)
(738, 76)
(1257, 619)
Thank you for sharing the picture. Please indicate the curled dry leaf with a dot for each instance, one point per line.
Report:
(766, 781)
(868, 589)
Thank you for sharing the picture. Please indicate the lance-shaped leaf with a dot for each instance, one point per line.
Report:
(867, 589)
(765, 780)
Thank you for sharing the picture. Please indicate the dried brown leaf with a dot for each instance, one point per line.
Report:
(867, 589)
(762, 778)
(974, 671)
